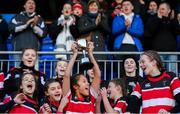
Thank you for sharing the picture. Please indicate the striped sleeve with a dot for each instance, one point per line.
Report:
(137, 91)
(175, 86)
(121, 106)
(1, 80)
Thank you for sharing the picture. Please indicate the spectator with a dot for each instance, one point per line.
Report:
(166, 30)
(128, 29)
(4, 33)
(61, 31)
(28, 86)
(115, 7)
(160, 92)
(93, 26)
(149, 15)
(82, 2)
(29, 57)
(27, 28)
(81, 93)
(103, 5)
(77, 12)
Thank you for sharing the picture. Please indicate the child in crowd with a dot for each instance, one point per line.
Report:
(53, 92)
(117, 92)
(60, 69)
(81, 95)
(28, 87)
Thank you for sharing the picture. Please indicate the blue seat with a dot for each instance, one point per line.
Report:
(47, 45)
(8, 17)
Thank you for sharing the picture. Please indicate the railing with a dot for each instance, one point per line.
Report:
(109, 68)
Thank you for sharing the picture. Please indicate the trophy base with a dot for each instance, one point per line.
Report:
(85, 64)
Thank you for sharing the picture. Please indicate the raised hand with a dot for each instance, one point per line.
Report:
(46, 109)
(127, 23)
(36, 19)
(103, 92)
(74, 47)
(90, 47)
(20, 98)
(30, 21)
(63, 103)
(98, 19)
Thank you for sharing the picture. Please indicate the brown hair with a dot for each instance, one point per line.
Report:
(23, 51)
(48, 82)
(120, 82)
(153, 55)
(36, 84)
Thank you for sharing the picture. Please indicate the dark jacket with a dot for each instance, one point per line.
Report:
(166, 31)
(26, 36)
(4, 33)
(97, 33)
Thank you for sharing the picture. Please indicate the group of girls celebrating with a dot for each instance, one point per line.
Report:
(27, 91)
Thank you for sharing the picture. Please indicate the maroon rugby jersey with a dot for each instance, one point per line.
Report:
(158, 92)
(81, 105)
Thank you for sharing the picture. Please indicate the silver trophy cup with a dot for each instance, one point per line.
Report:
(85, 64)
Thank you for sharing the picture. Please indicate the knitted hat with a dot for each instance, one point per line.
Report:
(78, 6)
(91, 1)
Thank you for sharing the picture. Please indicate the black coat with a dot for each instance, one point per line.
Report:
(165, 30)
(87, 26)
(4, 33)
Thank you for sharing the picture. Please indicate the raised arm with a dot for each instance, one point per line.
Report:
(97, 73)
(107, 105)
(66, 78)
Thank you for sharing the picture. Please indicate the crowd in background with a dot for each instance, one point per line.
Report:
(135, 25)
(123, 25)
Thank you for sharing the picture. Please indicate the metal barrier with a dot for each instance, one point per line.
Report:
(109, 68)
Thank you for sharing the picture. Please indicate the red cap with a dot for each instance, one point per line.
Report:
(77, 6)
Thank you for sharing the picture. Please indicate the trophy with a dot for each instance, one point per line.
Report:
(85, 64)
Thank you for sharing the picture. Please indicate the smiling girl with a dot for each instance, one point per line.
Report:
(160, 92)
(60, 69)
(81, 95)
(28, 87)
(28, 60)
(117, 92)
(53, 92)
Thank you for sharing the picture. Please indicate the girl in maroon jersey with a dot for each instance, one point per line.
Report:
(53, 92)
(160, 92)
(60, 69)
(82, 95)
(117, 92)
(28, 88)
